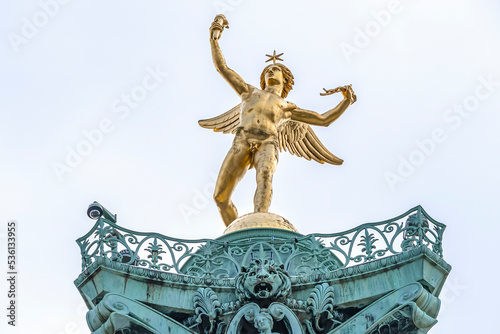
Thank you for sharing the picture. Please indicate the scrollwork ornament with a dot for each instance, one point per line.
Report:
(277, 311)
(251, 310)
(120, 307)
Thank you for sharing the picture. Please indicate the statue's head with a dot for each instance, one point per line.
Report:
(263, 322)
(286, 75)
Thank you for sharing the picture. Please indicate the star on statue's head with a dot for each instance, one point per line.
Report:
(274, 57)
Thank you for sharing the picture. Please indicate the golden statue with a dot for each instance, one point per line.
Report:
(264, 122)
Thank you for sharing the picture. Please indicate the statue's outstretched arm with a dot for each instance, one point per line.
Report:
(234, 80)
(327, 118)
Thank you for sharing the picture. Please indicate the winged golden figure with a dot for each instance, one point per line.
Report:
(264, 123)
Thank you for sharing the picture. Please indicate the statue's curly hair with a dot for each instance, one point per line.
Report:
(287, 79)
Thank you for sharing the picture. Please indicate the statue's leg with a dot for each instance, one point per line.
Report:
(266, 159)
(232, 171)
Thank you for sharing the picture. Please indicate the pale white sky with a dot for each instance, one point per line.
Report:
(423, 131)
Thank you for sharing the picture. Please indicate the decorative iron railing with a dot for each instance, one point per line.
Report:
(301, 255)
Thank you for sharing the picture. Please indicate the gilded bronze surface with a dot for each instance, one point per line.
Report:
(260, 220)
(264, 122)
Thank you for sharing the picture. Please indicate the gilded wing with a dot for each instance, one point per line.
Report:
(227, 122)
(299, 139)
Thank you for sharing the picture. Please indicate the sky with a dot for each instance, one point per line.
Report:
(100, 102)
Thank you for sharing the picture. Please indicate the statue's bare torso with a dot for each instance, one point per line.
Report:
(262, 111)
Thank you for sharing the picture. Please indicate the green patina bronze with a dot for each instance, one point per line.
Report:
(365, 280)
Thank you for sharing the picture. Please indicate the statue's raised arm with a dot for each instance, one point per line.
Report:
(234, 80)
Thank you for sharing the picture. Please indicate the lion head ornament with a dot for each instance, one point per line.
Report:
(262, 280)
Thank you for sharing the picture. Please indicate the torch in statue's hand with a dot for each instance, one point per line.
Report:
(220, 22)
